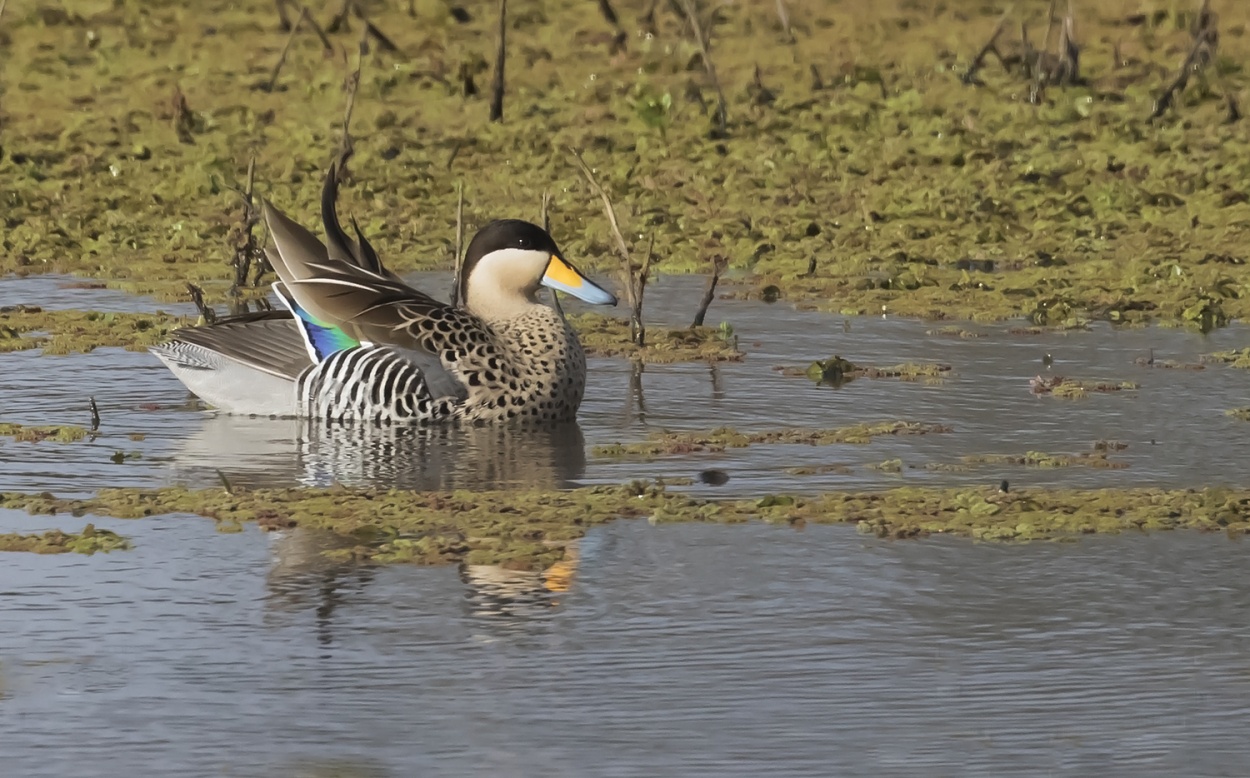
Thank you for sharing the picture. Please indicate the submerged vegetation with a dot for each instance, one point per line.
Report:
(914, 171)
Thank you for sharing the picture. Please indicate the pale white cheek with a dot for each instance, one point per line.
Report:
(513, 268)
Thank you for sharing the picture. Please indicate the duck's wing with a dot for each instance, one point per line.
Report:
(268, 341)
(359, 251)
(370, 307)
(244, 364)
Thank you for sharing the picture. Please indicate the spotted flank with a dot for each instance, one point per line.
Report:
(357, 344)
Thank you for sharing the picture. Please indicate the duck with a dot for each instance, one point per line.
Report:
(353, 342)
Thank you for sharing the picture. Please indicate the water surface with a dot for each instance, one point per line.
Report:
(677, 649)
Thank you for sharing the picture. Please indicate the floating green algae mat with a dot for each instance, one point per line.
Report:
(607, 336)
(38, 434)
(67, 332)
(868, 180)
(666, 443)
(88, 541)
(528, 530)
(1239, 358)
(836, 371)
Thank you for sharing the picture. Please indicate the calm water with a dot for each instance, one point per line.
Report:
(678, 650)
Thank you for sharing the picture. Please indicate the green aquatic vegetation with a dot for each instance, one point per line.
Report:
(607, 336)
(836, 467)
(1239, 358)
(67, 332)
(1096, 459)
(888, 466)
(951, 331)
(88, 541)
(668, 443)
(873, 182)
(38, 434)
(1074, 389)
(1239, 413)
(837, 371)
(530, 529)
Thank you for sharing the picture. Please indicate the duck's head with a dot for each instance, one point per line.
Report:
(508, 260)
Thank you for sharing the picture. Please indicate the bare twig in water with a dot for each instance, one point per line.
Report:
(544, 218)
(225, 482)
(644, 274)
(458, 262)
(1067, 69)
(719, 263)
(1234, 110)
(633, 293)
(991, 45)
(722, 106)
(341, 20)
(95, 409)
(496, 82)
(372, 31)
(197, 297)
(284, 22)
(321, 34)
(647, 21)
(346, 146)
(1038, 65)
(245, 248)
(277, 68)
(1206, 39)
(184, 119)
(783, 16)
(609, 15)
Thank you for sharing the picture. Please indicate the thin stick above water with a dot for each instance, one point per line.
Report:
(497, 81)
(722, 106)
(459, 259)
(633, 294)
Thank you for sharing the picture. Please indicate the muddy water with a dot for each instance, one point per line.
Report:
(678, 650)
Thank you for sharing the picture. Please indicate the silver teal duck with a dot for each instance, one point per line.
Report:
(358, 344)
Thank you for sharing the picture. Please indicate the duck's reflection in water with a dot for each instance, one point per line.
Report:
(258, 453)
(503, 594)
(303, 577)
